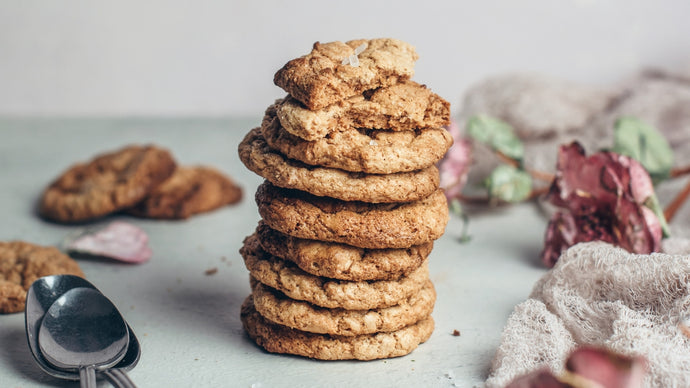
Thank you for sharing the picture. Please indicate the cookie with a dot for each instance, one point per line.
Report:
(341, 261)
(277, 308)
(108, 183)
(330, 293)
(335, 71)
(403, 106)
(331, 182)
(364, 225)
(360, 150)
(21, 263)
(281, 339)
(189, 191)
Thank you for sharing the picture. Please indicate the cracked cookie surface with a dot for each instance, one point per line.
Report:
(321, 77)
(360, 150)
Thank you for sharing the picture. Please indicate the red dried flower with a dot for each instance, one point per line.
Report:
(601, 198)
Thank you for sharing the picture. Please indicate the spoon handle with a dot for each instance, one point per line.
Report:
(87, 377)
(118, 378)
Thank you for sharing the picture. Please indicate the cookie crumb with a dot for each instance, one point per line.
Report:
(456, 333)
(211, 271)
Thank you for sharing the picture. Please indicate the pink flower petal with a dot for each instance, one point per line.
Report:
(118, 240)
(456, 163)
(609, 369)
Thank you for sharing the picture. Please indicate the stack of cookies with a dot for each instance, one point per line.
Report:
(350, 205)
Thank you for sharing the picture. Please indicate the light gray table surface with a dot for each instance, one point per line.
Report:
(188, 321)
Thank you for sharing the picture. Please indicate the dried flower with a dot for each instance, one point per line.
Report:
(604, 197)
(118, 240)
(588, 367)
(455, 164)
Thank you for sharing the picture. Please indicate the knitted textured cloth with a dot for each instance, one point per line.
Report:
(601, 295)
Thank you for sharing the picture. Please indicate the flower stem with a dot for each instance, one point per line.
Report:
(677, 202)
(680, 171)
(540, 175)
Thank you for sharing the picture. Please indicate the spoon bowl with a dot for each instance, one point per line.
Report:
(40, 297)
(83, 330)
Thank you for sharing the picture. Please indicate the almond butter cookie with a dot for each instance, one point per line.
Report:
(21, 263)
(330, 293)
(277, 308)
(281, 339)
(334, 71)
(189, 191)
(361, 150)
(108, 183)
(403, 106)
(364, 225)
(330, 182)
(341, 261)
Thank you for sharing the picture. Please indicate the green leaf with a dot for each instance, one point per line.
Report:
(653, 204)
(497, 134)
(456, 208)
(645, 144)
(509, 184)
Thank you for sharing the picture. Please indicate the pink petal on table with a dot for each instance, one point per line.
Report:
(118, 240)
(609, 369)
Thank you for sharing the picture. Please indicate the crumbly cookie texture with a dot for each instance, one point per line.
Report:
(324, 292)
(364, 225)
(403, 106)
(21, 263)
(330, 182)
(327, 74)
(189, 191)
(341, 261)
(281, 339)
(108, 183)
(277, 308)
(360, 150)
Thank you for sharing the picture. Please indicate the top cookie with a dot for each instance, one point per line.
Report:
(335, 71)
(404, 106)
(110, 182)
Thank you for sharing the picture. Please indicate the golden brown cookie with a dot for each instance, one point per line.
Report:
(330, 293)
(405, 106)
(364, 225)
(331, 182)
(281, 339)
(189, 191)
(360, 150)
(21, 263)
(333, 71)
(110, 182)
(277, 308)
(341, 261)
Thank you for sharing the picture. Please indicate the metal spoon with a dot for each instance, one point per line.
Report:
(41, 295)
(83, 330)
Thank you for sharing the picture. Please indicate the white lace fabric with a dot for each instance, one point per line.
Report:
(601, 295)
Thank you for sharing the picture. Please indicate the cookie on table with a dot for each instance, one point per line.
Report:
(108, 183)
(22, 263)
(190, 190)
(404, 106)
(281, 339)
(324, 292)
(364, 225)
(330, 182)
(277, 308)
(341, 261)
(371, 151)
(335, 71)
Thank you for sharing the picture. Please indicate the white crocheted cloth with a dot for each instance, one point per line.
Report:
(601, 295)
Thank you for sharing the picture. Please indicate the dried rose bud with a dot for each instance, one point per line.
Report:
(602, 197)
(608, 369)
(118, 240)
(540, 378)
